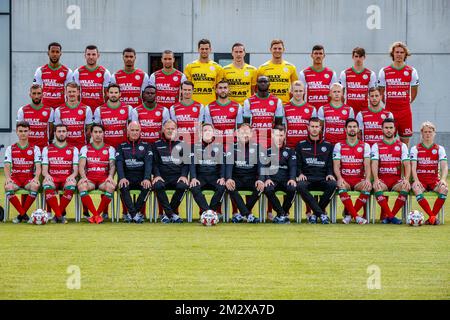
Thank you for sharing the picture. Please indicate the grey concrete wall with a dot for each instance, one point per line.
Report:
(152, 26)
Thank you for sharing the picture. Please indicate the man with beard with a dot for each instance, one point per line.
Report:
(391, 170)
(40, 117)
(53, 77)
(351, 163)
(60, 169)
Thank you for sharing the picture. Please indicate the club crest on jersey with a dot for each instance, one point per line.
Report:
(344, 112)
(271, 102)
(326, 76)
(122, 111)
(44, 113)
(99, 74)
(285, 69)
(246, 73)
(61, 74)
(323, 149)
(397, 148)
(434, 151)
(137, 77)
(365, 77)
(194, 109)
(231, 109)
(69, 152)
(359, 149)
(285, 153)
(306, 110)
(406, 73)
(105, 151)
(175, 78)
(212, 68)
(141, 148)
(29, 152)
(383, 116)
(157, 113)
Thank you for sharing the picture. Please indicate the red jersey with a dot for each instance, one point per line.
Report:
(223, 117)
(53, 82)
(151, 121)
(131, 86)
(356, 85)
(390, 157)
(317, 84)
(38, 117)
(97, 161)
(76, 119)
(334, 121)
(167, 86)
(22, 161)
(60, 161)
(187, 118)
(92, 83)
(352, 158)
(297, 120)
(398, 83)
(370, 123)
(115, 121)
(428, 159)
(262, 113)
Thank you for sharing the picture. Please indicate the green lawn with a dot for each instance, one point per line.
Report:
(189, 261)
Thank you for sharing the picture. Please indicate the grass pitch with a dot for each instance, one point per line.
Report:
(189, 261)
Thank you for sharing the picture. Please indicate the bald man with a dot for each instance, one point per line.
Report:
(134, 160)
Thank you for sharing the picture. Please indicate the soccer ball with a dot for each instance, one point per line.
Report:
(39, 217)
(209, 218)
(415, 218)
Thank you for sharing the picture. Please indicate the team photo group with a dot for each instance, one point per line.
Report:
(224, 129)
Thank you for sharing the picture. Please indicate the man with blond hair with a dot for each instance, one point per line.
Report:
(429, 170)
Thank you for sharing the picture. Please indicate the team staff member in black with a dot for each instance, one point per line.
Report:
(171, 160)
(207, 170)
(243, 172)
(315, 171)
(134, 160)
(280, 173)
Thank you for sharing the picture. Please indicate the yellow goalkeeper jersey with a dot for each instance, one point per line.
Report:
(204, 76)
(241, 81)
(280, 76)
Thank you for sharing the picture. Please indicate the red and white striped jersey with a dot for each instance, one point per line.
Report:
(131, 85)
(356, 85)
(76, 119)
(151, 121)
(39, 118)
(317, 84)
(53, 82)
(167, 86)
(92, 84)
(334, 121)
(297, 120)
